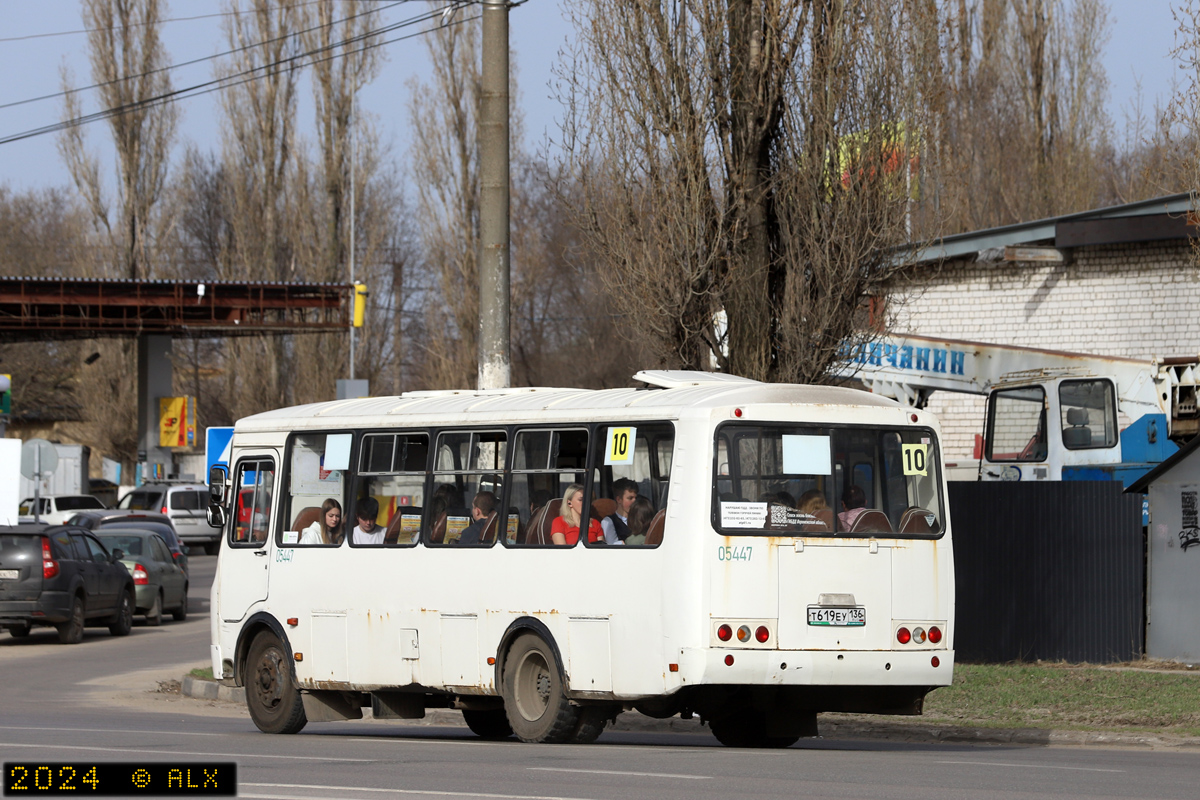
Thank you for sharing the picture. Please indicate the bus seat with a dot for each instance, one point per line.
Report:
(603, 507)
(823, 522)
(654, 534)
(490, 528)
(306, 517)
(916, 520)
(541, 522)
(438, 533)
(393, 533)
(871, 521)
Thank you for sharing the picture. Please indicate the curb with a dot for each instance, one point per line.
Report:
(832, 726)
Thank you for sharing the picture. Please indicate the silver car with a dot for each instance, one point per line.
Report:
(184, 504)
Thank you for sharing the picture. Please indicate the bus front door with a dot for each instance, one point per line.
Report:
(246, 561)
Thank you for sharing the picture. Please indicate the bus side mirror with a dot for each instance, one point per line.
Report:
(216, 516)
(218, 477)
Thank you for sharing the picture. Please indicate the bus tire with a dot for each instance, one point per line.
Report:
(490, 723)
(534, 698)
(747, 729)
(592, 720)
(271, 694)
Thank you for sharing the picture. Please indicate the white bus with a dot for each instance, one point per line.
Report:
(738, 589)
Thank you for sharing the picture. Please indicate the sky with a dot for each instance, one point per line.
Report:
(1142, 35)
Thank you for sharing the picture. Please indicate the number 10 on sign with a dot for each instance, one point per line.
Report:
(619, 449)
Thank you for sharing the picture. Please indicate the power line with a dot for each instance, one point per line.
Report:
(194, 60)
(30, 36)
(227, 82)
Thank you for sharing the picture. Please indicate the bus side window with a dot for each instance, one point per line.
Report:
(635, 462)
(252, 508)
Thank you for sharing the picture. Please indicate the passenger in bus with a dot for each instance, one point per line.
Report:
(641, 514)
(565, 529)
(327, 529)
(616, 525)
(482, 506)
(812, 501)
(368, 531)
(854, 500)
(539, 498)
(446, 496)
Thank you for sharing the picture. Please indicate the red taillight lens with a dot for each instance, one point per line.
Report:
(935, 634)
(49, 565)
(139, 575)
(762, 634)
(744, 633)
(729, 660)
(903, 636)
(935, 661)
(724, 633)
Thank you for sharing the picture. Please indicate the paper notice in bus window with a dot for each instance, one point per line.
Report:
(337, 451)
(291, 537)
(454, 528)
(806, 455)
(619, 449)
(743, 515)
(410, 523)
(514, 525)
(916, 459)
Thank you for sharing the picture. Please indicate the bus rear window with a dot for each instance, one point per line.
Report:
(813, 481)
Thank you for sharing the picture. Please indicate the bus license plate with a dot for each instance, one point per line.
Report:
(839, 617)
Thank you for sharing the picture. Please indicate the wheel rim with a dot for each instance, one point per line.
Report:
(532, 686)
(268, 681)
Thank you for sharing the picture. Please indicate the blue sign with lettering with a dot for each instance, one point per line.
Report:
(216, 449)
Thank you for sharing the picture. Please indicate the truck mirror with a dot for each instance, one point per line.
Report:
(218, 477)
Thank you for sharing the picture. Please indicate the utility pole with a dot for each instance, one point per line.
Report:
(494, 353)
(353, 95)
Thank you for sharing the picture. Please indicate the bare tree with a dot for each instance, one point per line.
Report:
(744, 169)
(128, 65)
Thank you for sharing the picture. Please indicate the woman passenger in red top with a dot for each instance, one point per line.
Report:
(565, 528)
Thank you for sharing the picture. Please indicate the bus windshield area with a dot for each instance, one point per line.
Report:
(815, 481)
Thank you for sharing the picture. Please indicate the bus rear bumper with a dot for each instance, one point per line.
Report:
(705, 666)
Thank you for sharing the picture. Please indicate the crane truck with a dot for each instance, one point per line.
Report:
(1051, 415)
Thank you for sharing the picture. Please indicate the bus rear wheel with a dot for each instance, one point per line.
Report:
(271, 694)
(748, 728)
(535, 699)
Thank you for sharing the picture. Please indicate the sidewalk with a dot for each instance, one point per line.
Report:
(833, 726)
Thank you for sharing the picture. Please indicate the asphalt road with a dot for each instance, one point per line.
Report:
(97, 700)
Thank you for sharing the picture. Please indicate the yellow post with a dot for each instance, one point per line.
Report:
(360, 304)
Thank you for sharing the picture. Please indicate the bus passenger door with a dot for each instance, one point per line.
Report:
(246, 563)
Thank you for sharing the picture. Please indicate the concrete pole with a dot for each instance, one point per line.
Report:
(155, 380)
(353, 293)
(494, 354)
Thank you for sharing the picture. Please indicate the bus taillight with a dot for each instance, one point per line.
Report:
(762, 634)
(744, 633)
(903, 636)
(724, 633)
(935, 634)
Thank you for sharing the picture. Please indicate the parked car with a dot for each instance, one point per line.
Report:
(185, 504)
(159, 583)
(62, 576)
(55, 510)
(143, 520)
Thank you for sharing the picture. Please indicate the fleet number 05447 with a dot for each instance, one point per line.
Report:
(741, 553)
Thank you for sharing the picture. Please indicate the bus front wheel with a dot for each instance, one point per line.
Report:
(535, 699)
(271, 694)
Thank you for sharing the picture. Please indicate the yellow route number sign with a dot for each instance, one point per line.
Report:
(619, 449)
(916, 459)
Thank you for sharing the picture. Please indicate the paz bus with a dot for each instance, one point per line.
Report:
(754, 597)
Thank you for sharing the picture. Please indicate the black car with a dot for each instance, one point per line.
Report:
(62, 576)
(142, 520)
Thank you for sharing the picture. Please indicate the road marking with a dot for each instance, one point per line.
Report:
(614, 772)
(424, 792)
(1029, 766)
(108, 731)
(139, 750)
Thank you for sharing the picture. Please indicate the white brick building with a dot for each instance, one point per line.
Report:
(1127, 284)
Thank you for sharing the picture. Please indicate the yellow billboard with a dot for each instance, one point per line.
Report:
(176, 421)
